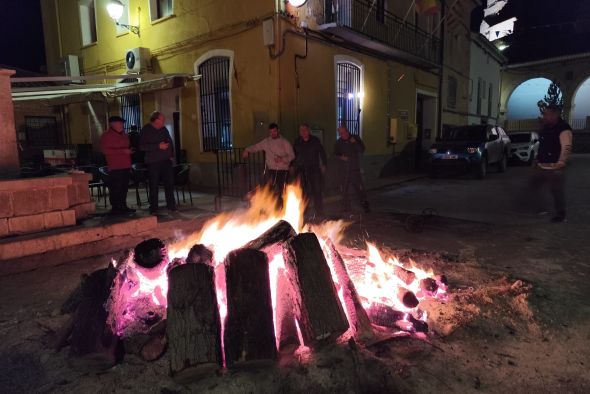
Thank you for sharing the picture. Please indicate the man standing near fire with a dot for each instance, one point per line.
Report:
(555, 146)
(114, 144)
(310, 163)
(348, 149)
(279, 154)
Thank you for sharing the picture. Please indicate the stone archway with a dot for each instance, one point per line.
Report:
(521, 103)
(580, 105)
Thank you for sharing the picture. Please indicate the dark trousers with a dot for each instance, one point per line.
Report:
(311, 182)
(161, 171)
(554, 180)
(353, 179)
(276, 180)
(118, 184)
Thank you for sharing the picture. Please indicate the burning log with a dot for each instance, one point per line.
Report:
(405, 275)
(280, 232)
(249, 338)
(385, 316)
(320, 313)
(358, 316)
(150, 253)
(429, 286)
(193, 326)
(90, 333)
(407, 298)
(286, 329)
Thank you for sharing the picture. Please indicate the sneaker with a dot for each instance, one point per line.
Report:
(558, 219)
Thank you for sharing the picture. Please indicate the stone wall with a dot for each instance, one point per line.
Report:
(38, 204)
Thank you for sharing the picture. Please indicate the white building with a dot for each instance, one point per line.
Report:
(484, 81)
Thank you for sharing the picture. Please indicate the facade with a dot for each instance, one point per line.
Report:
(485, 78)
(374, 66)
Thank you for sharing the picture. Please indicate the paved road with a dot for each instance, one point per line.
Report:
(496, 199)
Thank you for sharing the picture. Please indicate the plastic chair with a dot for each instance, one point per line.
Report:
(181, 180)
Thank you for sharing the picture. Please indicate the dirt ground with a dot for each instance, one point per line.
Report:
(517, 321)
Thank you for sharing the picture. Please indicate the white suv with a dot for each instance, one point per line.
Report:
(525, 146)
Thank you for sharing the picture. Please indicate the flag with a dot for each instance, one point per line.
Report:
(427, 6)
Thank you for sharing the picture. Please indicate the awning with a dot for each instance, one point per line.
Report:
(70, 94)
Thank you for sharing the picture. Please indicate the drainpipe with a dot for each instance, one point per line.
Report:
(442, 67)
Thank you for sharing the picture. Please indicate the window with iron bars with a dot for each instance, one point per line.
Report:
(215, 104)
(42, 131)
(348, 96)
(131, 111)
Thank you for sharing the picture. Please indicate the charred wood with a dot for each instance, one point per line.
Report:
(280, 232)
(193, 326)
(357, 313)
(249, 339)
(150, 253)
(321, 316)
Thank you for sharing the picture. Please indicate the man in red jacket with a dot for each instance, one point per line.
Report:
(114, 144)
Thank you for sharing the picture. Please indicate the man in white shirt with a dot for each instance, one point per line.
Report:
(279, 154)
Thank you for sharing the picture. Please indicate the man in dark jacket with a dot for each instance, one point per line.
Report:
(555, 146)
(155, 141)
(348, 150)
(310, 164)
(114, 145)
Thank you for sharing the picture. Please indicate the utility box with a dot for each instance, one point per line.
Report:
(268, 32)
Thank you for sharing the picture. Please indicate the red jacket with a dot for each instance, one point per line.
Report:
(115, 148)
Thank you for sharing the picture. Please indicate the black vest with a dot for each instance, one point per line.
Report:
(549, 145)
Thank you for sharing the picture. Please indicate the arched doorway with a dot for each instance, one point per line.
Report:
(522, 103)
(580, 116)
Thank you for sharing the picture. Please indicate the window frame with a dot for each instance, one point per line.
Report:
(86, 3)
(201, 60)
(339, 59)
(59, 135)
(153, 7)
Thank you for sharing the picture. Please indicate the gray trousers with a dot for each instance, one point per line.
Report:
(554, 181)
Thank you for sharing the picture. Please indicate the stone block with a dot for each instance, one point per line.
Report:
(84, 210)
(69, 217)
(4, 227)
(53, 220)
(83, 192)
(5, 204)
(27, 202)
(26, 224)
(73, 194)
(59, 198)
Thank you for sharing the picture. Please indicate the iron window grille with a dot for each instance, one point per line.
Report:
(348, 96)
(215, 104)
(130, 111)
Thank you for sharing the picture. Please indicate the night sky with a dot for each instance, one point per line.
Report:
(545, 28)
(21, 35)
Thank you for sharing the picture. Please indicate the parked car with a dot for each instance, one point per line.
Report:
(471, 147)
(525, 146)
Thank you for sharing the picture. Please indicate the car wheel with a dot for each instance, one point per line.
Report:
(482, 169)
(531, 158)
(503, 164)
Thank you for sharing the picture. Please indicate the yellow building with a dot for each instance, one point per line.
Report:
(373, 65)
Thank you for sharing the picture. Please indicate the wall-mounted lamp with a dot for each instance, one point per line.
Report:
(297, 3)
(115, 9)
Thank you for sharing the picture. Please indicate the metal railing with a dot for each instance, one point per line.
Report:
(534, 124)
(383, 26)
(236, 176)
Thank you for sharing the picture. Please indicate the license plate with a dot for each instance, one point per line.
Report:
(450, 157)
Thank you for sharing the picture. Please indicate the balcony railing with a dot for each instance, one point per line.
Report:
(384, 27)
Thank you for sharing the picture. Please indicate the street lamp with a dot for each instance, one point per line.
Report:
(297, 3)
(115, 9)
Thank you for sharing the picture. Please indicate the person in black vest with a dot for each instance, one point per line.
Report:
(555, 146)
(155, 141)
(310, 163)
(348, 149)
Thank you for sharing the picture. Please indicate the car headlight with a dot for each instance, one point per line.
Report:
(472, 150)
(432, 151)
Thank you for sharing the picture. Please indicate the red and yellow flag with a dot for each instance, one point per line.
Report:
(427, 6)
